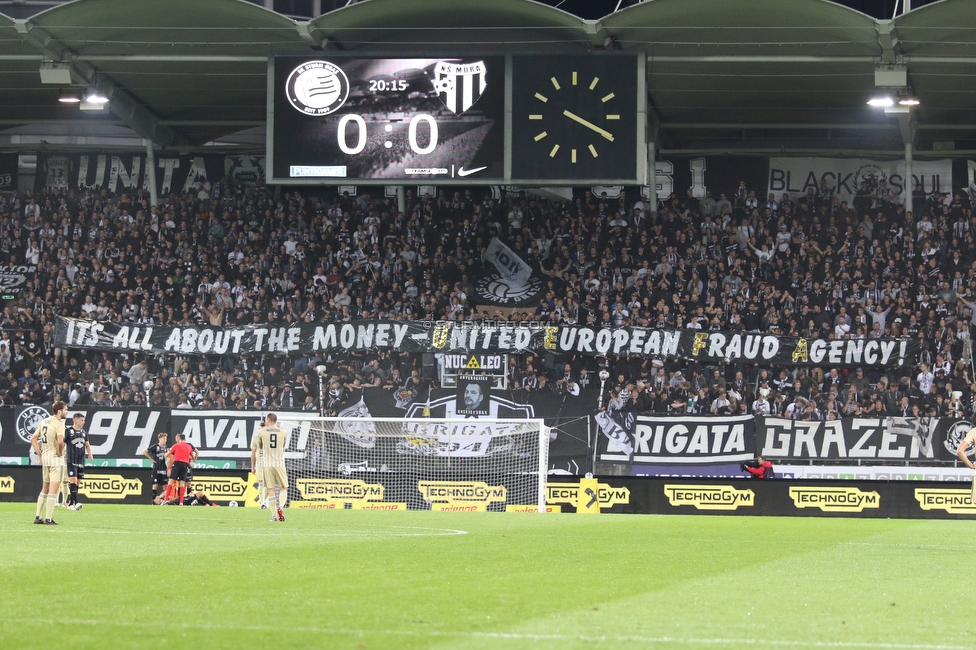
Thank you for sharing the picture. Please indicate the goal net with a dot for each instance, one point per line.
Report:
(474, 464)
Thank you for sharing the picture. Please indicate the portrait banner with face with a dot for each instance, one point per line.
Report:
(473, 395)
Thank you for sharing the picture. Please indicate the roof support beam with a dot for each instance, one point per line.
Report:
(779, 151)
(312, 39)
(803, 126)
(888, 40)
(122, 104)
(599, 37)
(772, 125)
(757, 58)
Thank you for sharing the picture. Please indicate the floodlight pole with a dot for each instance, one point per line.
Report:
(604, 376)
(321, 396)
(909, 180)
(320, 370)
(151, 177)
(651, 178)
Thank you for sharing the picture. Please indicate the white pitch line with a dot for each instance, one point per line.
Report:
(397, 531)
(514, 636)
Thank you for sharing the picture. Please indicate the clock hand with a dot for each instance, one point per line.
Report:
(589, 125)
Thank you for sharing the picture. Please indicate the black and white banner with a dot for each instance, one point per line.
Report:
(127, 172)
(649, 445)
(862, 439)
(9, 168)
(15, 278)
(672, 440)
(847, 177)
(123, 433)
(494, 337)
(717, 174)
(512, 285)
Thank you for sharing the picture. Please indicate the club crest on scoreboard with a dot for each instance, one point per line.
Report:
(317, 88)
(460, 85)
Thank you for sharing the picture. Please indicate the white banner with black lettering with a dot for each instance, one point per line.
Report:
(847, 177)
(877, 438)
(633, 438)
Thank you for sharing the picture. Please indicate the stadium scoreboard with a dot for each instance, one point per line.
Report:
(494, 119)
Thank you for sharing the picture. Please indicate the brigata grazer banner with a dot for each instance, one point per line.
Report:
(491, 337)
(864, 439)
(675, 440)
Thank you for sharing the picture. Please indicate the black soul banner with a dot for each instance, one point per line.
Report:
(492, 337)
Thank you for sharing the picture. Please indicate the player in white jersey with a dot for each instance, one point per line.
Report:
(258, 471)
(272, 440)
(48, 444)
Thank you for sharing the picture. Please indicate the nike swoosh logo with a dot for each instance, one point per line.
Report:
(467, 172)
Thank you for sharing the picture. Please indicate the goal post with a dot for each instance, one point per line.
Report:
(460, 464)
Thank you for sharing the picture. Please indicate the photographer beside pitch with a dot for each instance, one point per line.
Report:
(759, 468)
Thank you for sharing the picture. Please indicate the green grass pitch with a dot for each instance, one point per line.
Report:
(150, 577)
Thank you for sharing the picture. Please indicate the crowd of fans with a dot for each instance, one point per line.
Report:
(231, 254)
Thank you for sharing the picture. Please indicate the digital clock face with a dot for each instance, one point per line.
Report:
(425, 120)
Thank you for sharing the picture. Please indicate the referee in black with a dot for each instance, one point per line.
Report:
(77, 449)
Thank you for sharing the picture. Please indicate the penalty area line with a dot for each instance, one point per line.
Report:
(514, 636)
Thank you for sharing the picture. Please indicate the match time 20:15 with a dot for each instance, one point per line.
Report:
(387, 85)
(357, 124)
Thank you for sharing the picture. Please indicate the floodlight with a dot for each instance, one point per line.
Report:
(69, 97)
(95, 96)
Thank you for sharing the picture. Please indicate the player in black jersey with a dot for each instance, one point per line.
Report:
(76, 448)
(157, 454)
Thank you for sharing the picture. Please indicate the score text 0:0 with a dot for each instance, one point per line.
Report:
(411, 134)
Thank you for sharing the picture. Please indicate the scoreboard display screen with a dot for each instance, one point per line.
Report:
(337, 119)
(527, 119)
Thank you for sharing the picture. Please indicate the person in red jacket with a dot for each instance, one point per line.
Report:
(759, 468)
(181, 455)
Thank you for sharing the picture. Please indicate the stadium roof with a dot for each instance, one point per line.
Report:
(735, 75)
